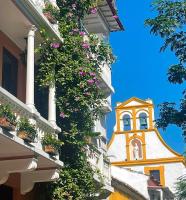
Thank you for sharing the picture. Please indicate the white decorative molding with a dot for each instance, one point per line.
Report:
(3, 176)
(16, 166)
(32, 165)
(29, 179)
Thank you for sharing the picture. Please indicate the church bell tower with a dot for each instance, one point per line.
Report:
(136, 143)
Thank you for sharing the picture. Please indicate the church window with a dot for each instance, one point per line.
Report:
(143, 121)
(155, 174)
(126, 122)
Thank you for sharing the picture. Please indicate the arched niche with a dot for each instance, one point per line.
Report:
(136, 151)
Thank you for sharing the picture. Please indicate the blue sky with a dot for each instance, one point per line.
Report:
(141, 69)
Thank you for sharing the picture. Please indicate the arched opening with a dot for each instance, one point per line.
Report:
(126, 122)
(143, 121)
(136, 150)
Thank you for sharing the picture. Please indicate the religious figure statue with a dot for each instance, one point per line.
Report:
(136, 151)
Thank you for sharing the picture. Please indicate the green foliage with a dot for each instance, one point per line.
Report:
(5, 112)
(170, 23)
(181, 189)
(24, 125)
(50, 139)
(76, 183)
(78, 9)
(74, 66)
(169, 19)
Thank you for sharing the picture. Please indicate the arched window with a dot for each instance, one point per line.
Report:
(143, 121)
(126, 122)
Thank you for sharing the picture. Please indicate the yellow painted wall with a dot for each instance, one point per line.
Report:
(118, 196)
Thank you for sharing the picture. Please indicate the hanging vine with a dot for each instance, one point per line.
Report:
(74, 67)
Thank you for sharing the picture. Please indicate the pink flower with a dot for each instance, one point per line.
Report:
(92, 74)
(75, 30)
(82, 73)
(82, 33)
(85, 45)
(93, 10)
(55, 45)
(115, 16)
(95, 79)
(90, 81)
(62, 115)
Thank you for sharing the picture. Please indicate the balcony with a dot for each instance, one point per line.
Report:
(39, 6)
(22, 110)
(107, 104)
(28, 159)
(103, 21)
(102, 165)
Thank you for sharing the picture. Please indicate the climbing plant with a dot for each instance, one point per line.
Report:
(74, 66)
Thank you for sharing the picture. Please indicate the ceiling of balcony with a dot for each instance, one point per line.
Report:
(103, 21)
(13, 23)
(12, 148)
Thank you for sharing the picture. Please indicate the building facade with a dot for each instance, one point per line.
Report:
(22, 165)
(137, 149)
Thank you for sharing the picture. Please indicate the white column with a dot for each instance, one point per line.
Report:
(52, 105)
(30, 69)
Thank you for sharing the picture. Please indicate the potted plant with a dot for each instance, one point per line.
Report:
(50, 13)
(51, 144)
(7, 118)
(26, 130)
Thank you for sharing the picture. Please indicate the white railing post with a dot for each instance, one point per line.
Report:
(30, 69)
(52, 105)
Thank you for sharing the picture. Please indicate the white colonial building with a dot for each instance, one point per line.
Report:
(139, 156)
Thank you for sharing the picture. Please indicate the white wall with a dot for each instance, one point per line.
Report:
(154, 147)
(172, 172)
(117, 150)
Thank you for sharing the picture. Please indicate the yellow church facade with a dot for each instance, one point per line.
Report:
(139, 154)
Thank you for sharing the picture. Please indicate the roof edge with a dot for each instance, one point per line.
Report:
(133, 99)
(114, 13)
(116, 182)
